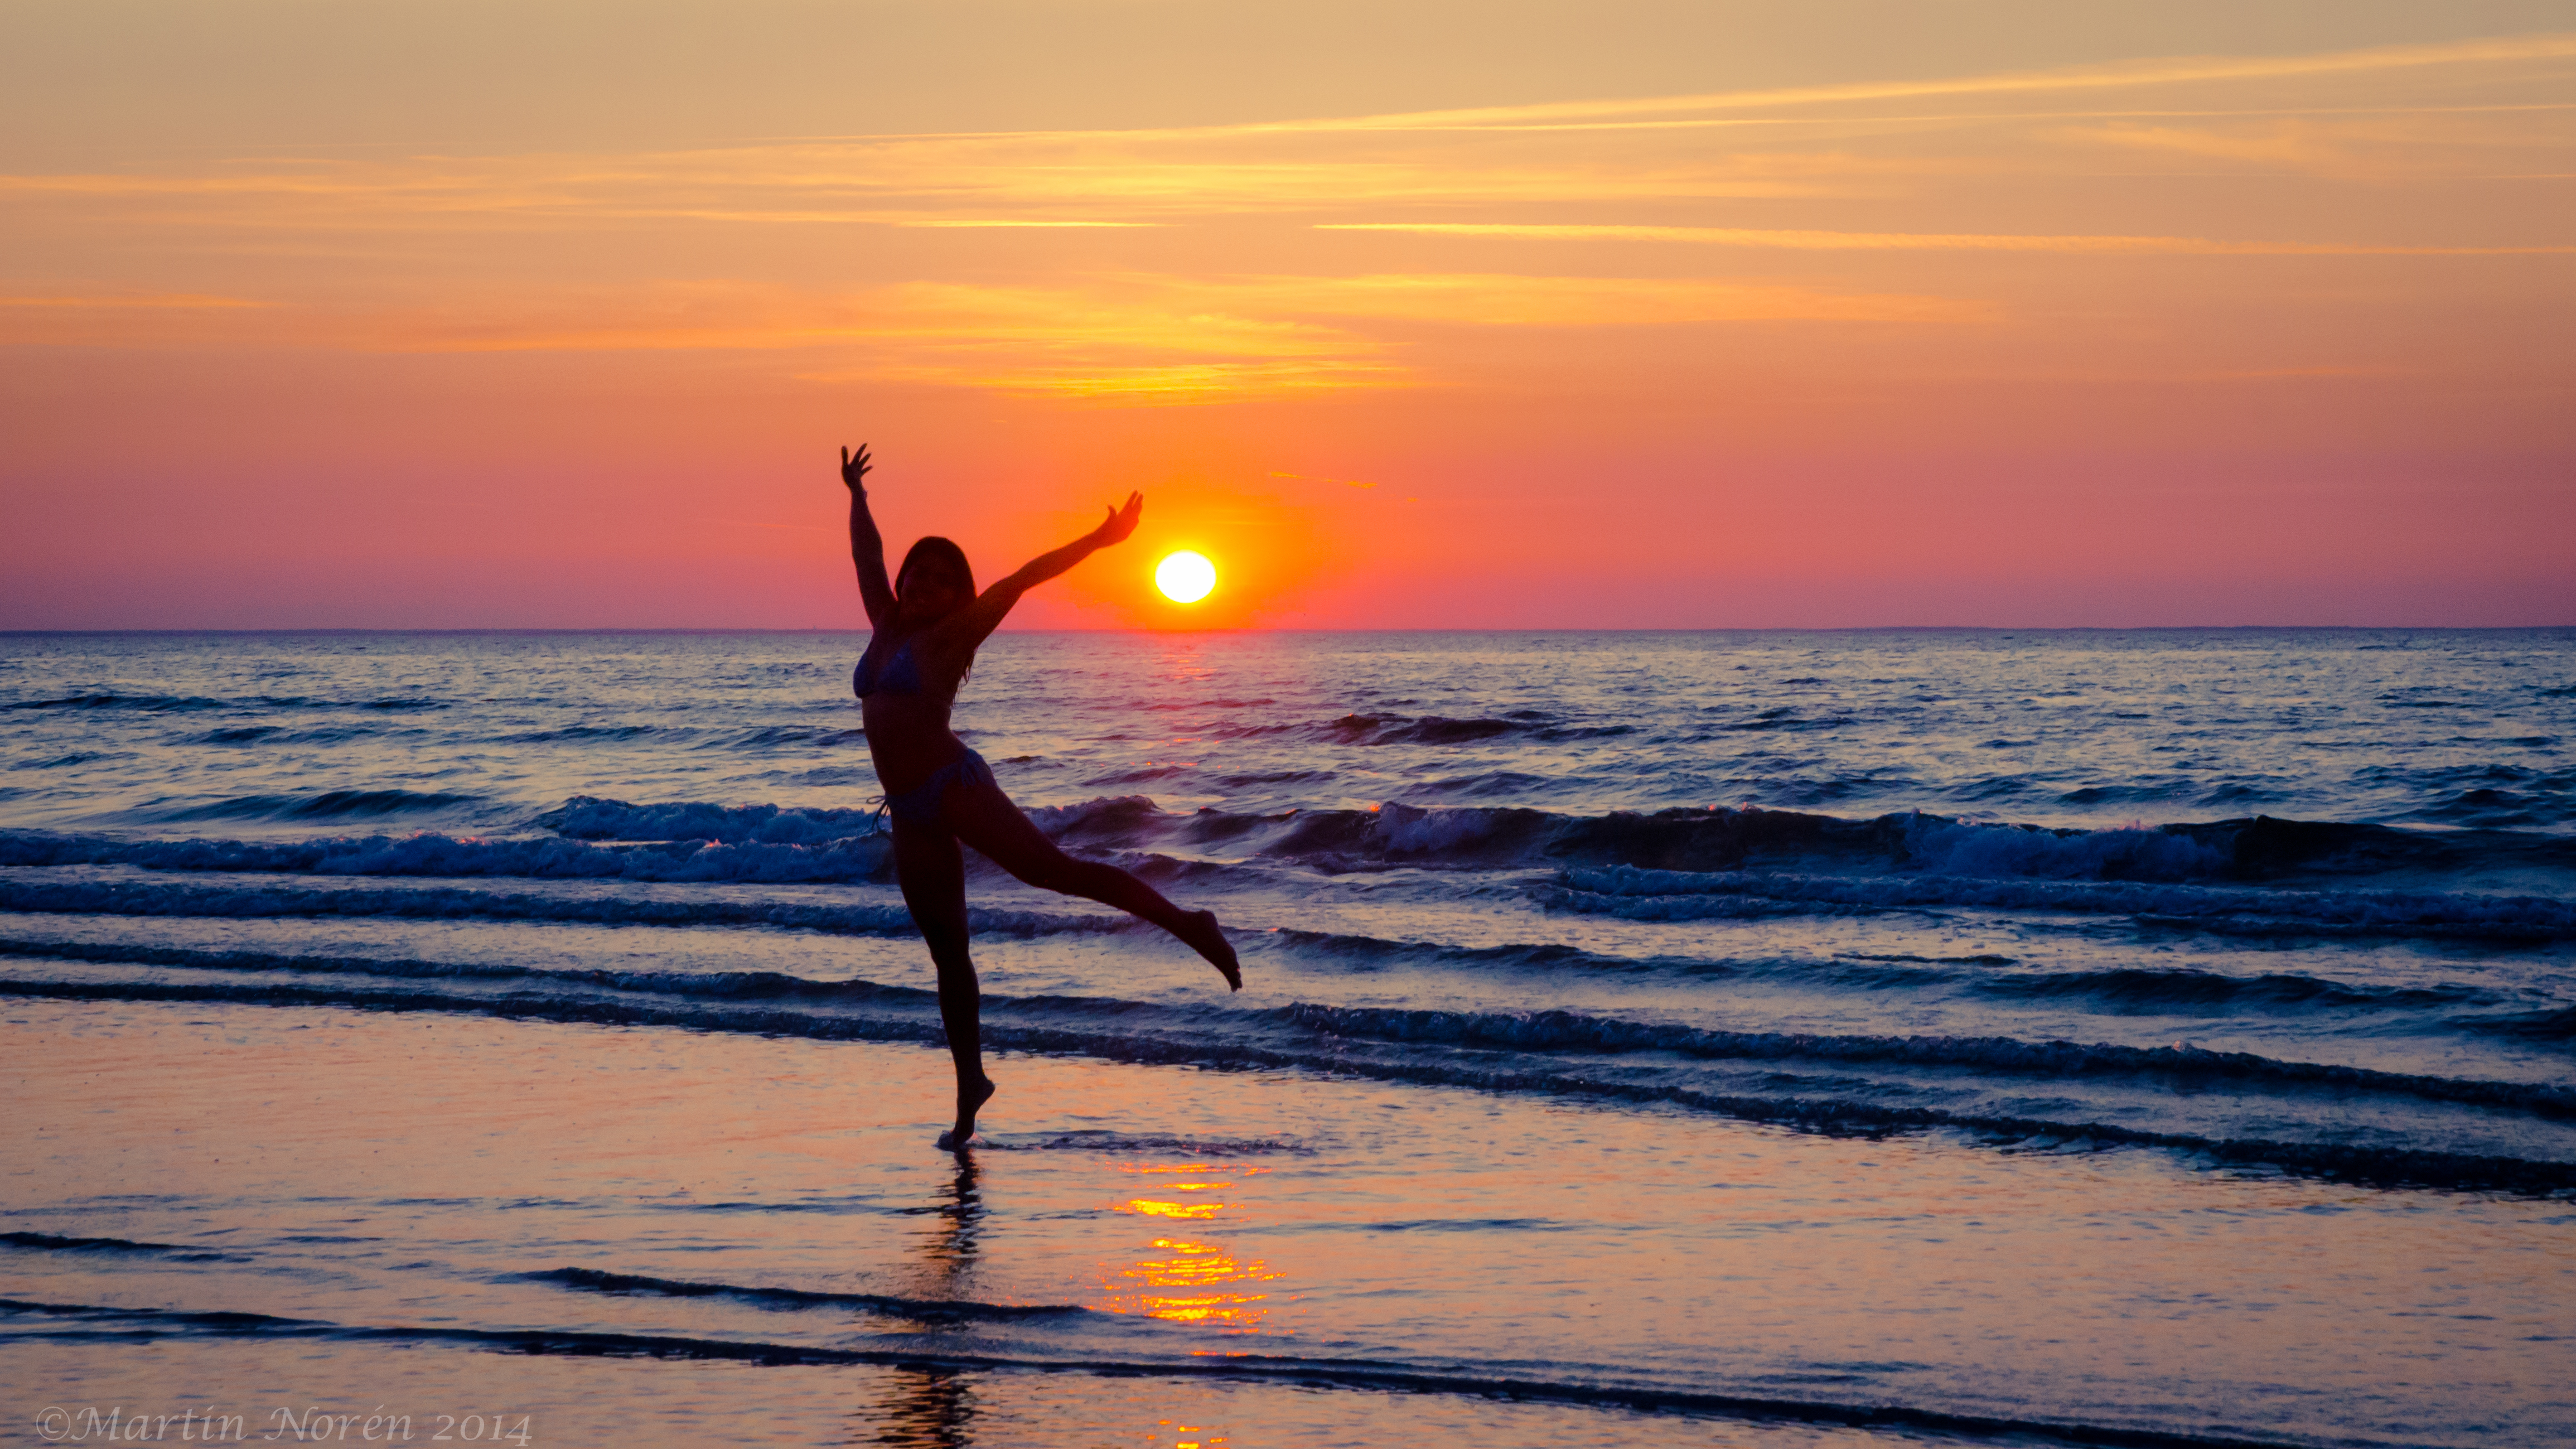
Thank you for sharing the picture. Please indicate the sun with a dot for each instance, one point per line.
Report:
(1185, 577)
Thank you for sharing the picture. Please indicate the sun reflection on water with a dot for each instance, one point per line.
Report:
(1194, 1283)
(1171, 1209)
(1185, 1280)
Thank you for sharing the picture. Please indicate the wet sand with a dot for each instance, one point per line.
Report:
(655, 1212)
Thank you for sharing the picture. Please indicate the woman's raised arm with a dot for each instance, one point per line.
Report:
(867, 549)
(969, 627)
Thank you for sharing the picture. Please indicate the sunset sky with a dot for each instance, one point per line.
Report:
(1426, 315)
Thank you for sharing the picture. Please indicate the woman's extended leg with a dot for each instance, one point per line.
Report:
(986, 819)
(933, 876)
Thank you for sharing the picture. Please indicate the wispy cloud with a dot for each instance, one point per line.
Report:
(122, 302)
(1491, 299)
(119, 319)
(1927, 241)
(1170, 383)
(935, 222)
(1246, 269)
(2127, 74)
(1141, 320)
(1128, 321)
(1137, 337)
(1071, 180)
(989, 183)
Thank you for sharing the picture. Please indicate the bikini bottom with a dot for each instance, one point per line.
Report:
(920, 806)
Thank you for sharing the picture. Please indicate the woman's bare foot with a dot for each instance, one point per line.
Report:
(970, 1100)
(1202, 934)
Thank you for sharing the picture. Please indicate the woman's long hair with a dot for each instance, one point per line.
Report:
(946, 550)
(943, 549)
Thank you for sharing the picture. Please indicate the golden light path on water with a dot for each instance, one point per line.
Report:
(1190, 1281)
(1185, 577)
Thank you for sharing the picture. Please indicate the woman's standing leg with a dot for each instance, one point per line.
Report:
(933, 876)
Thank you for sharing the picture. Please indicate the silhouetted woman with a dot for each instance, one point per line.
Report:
(929, 623)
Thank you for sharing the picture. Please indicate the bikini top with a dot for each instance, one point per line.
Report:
(901, 675)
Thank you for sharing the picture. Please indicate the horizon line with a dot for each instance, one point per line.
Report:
(1392, 629)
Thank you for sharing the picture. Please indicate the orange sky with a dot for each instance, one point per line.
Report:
(1469, 315)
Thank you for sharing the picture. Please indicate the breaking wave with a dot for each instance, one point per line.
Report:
(856, 858)
(55, 1243)
(591, 836)
(925, 1310)
(1664, 895)
(152, 898)
(2123, 988)
(193, 703)
(1394, 729)
(326, 806)
(1548, 1052)
(91, 1323)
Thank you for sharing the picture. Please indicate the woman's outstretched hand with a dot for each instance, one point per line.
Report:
(1121, 521)
(854, 471)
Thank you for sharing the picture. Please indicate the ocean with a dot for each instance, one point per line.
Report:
(1978, 1036)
